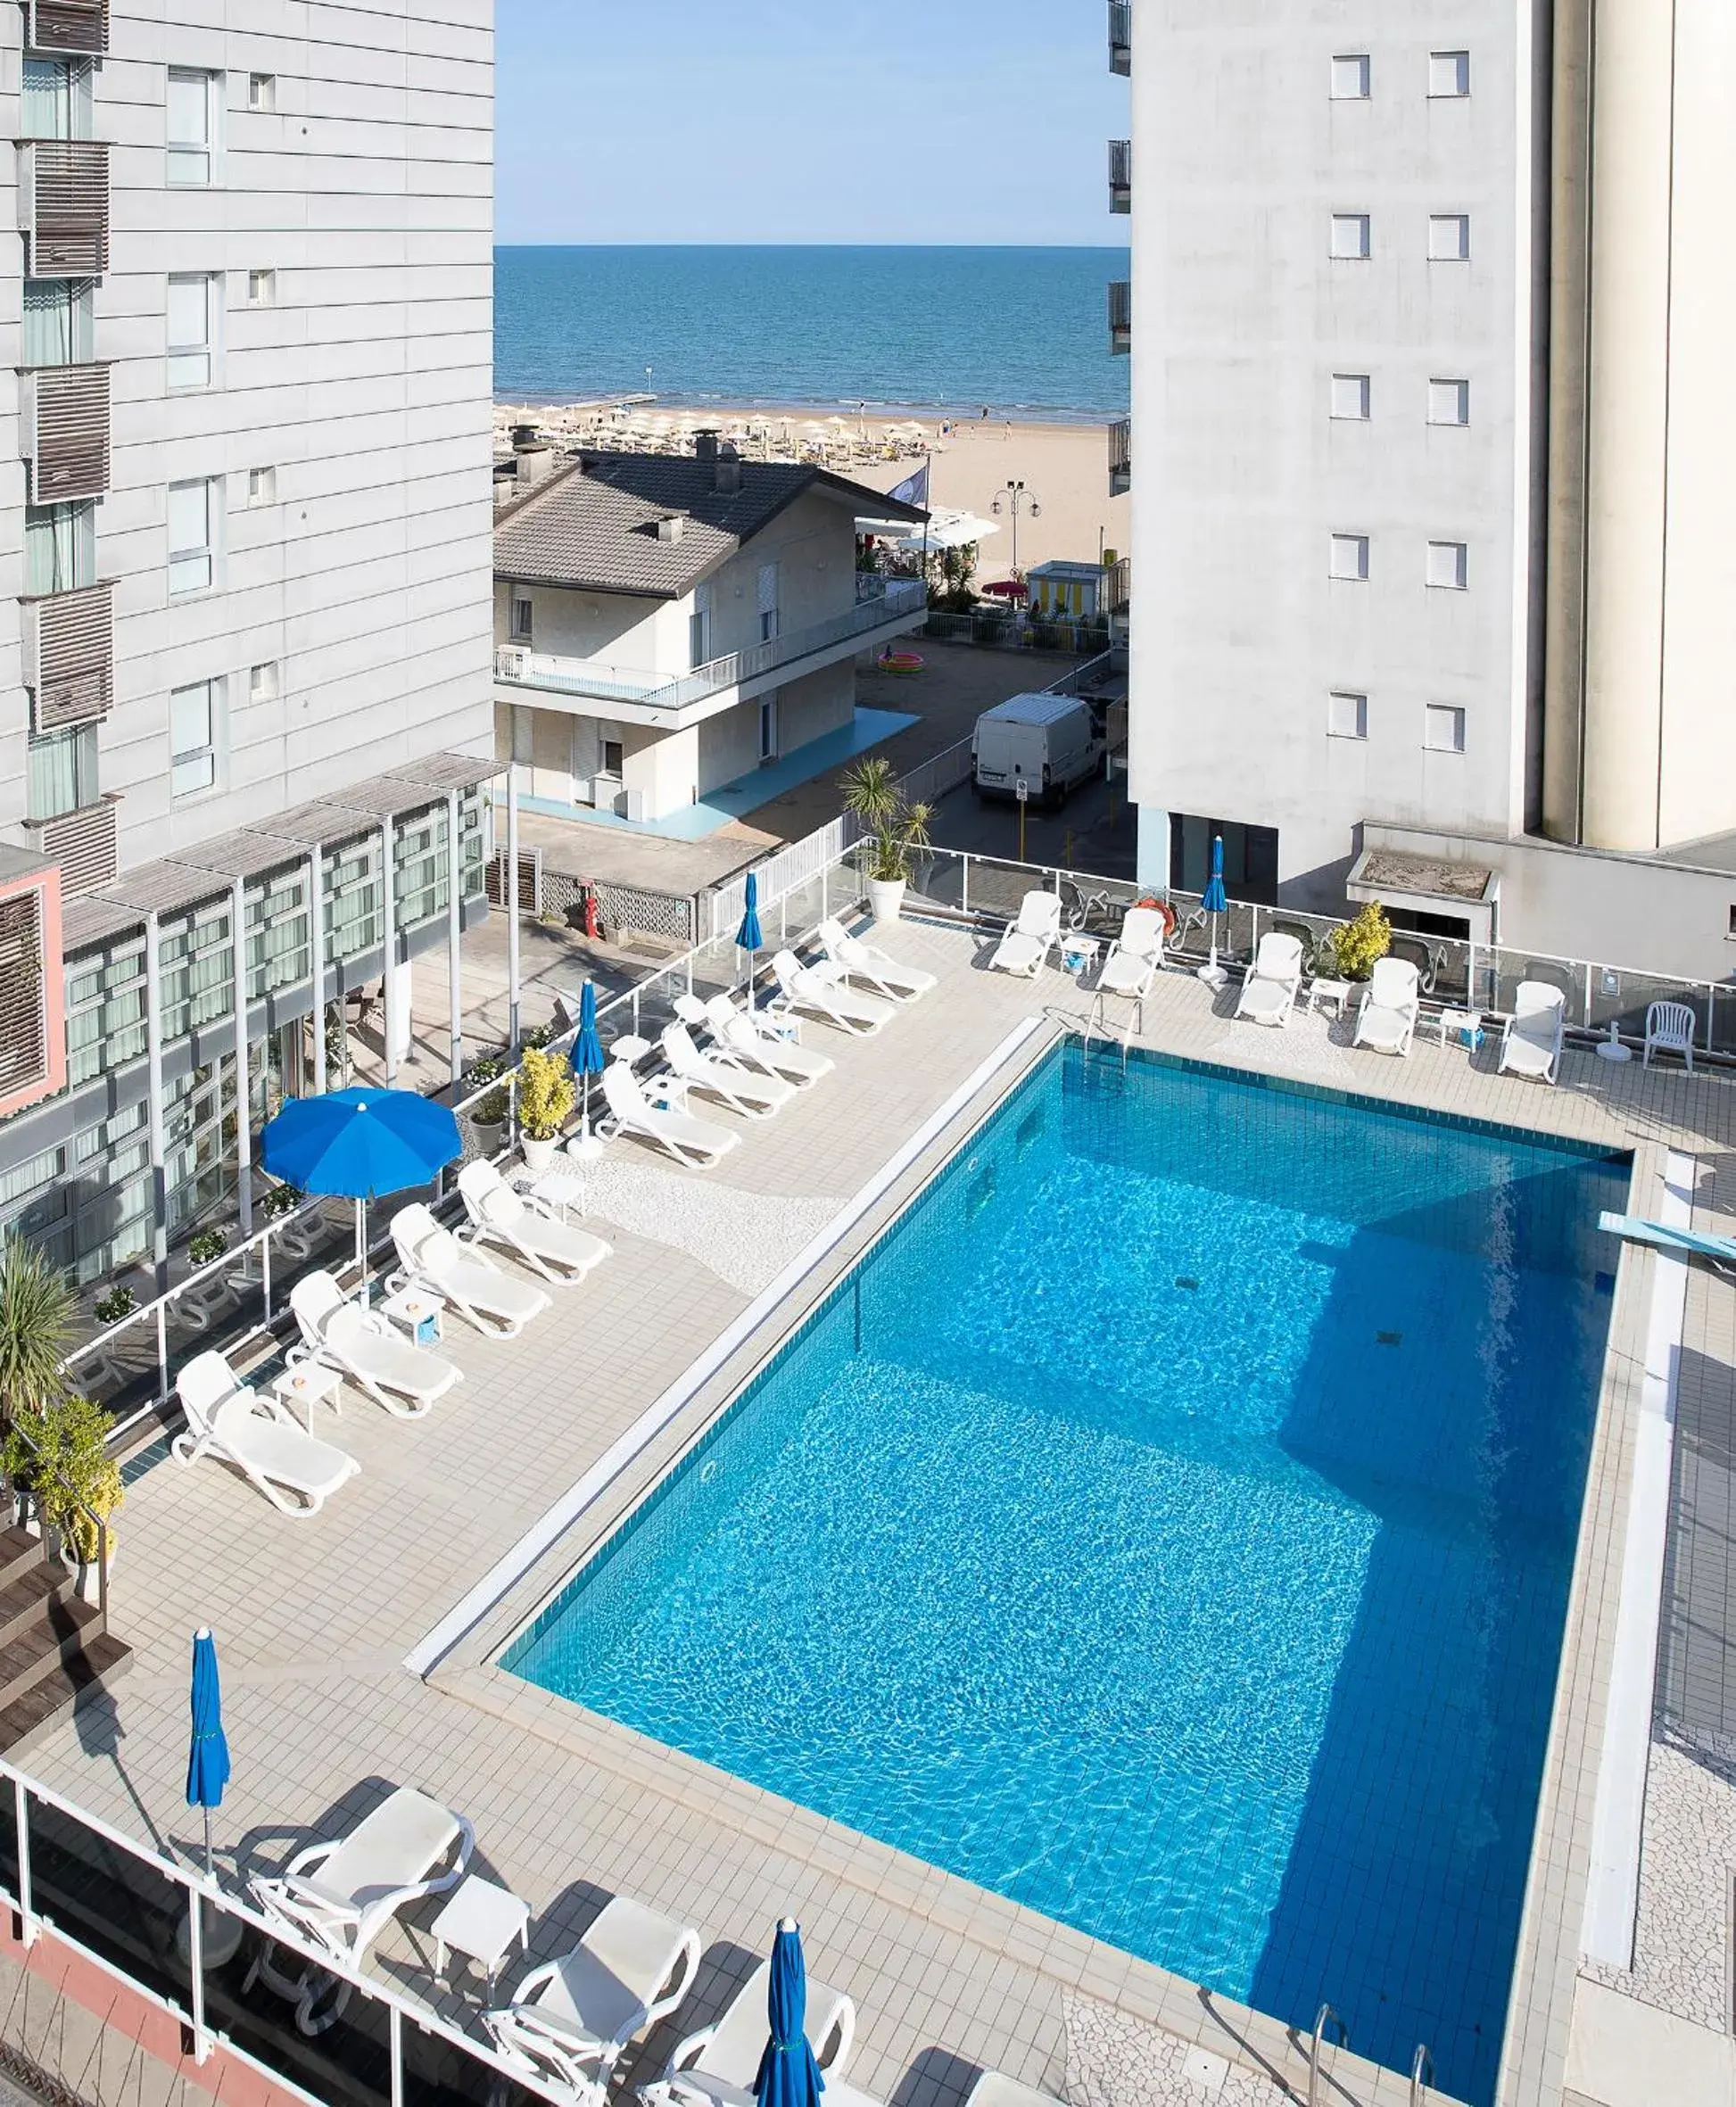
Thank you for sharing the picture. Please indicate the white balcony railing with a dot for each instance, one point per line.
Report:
(878, 600)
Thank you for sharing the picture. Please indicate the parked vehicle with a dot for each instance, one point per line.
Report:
(1051, 742)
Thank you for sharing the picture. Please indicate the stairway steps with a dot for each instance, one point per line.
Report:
(53, 1697)
(27, 1598)
(19, 1551)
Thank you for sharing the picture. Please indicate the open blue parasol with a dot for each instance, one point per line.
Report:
(360, 1144)
(787, 2074)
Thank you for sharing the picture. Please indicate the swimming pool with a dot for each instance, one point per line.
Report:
(1167, 1524)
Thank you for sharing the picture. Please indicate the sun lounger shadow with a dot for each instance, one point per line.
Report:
(937, 2077)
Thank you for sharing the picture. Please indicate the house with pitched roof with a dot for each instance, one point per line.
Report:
(668, 626)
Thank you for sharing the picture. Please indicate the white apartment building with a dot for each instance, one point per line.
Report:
(669, 626)
(1429, 335)
(245, 542)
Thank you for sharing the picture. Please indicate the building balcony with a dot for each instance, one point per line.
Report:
(77, 25)
(63, 432)
(69, 657)
(1118, 593)
(1120, 457)
(84, 844)
(885, 607)
(1120, 174)
(1121, 36)
(1121, 315)
(63, 207)
(32, 1032)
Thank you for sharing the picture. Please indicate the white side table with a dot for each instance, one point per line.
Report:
(417, 1310)
(1465, 1026)
(1336, 992)
(482, 1922)
(1079, 953)
(309, 1383)
(632, 1049)
(559, 1189)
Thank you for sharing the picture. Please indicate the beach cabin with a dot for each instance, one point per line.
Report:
(669, 626)
(1063, 592)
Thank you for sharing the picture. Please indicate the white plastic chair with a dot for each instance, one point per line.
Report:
(739, 1038)
(339, 1896)
(1386, 1016)
(1531, 1040)
(696, 1143)
(297, 1473)
(755, 1097)
(1271, 984)
(498, 1304)
(822, 991)
(397, 1374)
(1670, 1029)
(859, 959)
(1025, 947)
(1130, 968)
(569, 2020)
(519, 1224)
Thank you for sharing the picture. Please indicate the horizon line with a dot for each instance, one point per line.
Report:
(1107, 248)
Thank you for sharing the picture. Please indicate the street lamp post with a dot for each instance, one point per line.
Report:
(1016, 498)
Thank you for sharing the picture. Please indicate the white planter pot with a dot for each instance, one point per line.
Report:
(539, 1156)
(87, 1587)
(886, 897)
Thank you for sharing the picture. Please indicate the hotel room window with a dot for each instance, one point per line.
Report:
(192, 127)
(521, 627)
(1450, 403)
(192, 537)
(1449, 237)
(193, 306)
(1350, 556)
(1350, 397)
(1448, 565)
(1448, 74)
(1351, 237)
(1347, 714)
(1350, 77)
(1443, 729)
(192, 739)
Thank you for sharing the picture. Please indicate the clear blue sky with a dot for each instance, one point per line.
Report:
(826, 120)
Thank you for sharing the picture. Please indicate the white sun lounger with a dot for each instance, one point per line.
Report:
(756, 1097)
(821, 991)
(1530, 1042)
(339, 1896)
(297, 1473)
(1271, 984)
(861, 960)
(1386, 1016)
(569, 2020)
(404, 1378)
(519, 1224)
(719, 2064)
(993, 2089)
(1130, 969)
(740, 1039)
(697, 1142)
(1026, 946)
(497, 1303)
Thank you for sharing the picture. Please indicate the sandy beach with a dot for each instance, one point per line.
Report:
(1064, 467)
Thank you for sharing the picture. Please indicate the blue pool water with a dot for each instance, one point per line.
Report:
(1168, 1525)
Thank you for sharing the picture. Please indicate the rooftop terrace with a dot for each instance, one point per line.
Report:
(316, 1619)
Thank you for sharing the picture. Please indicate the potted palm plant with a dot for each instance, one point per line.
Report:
(547, 1096)
(897, 831)
(36, 1312)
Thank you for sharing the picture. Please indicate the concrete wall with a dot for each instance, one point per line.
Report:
(1241, 319)
(14, 702)
(1629, 911)
(640, 635)
(364, 386)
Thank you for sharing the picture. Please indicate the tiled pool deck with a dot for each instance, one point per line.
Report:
(314, 1618)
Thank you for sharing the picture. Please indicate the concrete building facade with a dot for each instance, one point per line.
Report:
(244, 563)
(1431, 423)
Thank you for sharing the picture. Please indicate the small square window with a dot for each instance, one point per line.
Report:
(261, 288)
(1347, 715)
(1349, 396)
(1350, 235)
(1449, 237)
(1448, 73)
(1443, 729)
(523, 624)
(262, 486)
(1448, 565)
(1350, 556)
(1350, 77)
(262, 682)
(261, 91)
(1450, 403)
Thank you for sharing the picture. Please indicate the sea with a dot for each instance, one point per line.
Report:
(1018, 332)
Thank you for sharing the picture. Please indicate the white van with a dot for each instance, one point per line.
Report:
(1049, 742)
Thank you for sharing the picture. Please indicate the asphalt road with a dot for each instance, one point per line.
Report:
(1093, 831)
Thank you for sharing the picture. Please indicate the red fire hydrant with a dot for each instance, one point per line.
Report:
(591, 927)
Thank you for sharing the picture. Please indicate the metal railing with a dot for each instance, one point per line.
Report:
(185, 1945)
(1120, 314)
(1121, 455)
(878, 600)
(1120, 36)
(1120, 174)
(1323, 2018)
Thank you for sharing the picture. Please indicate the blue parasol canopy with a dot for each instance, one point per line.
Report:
(747, 938)
(787, 2076)
(587, 1047)
(1215, 900)
(360, 1143)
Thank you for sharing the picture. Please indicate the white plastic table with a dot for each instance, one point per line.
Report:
(484, 1922)
(559, 1188)
(1461, 1024)
(309, 1383)
(417, 1310)
(1336, 992)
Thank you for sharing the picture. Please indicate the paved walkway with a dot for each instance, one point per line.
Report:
(314, 1619)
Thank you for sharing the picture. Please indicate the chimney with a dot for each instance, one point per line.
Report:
(726, 475)
(530, 465)
(669, 527)
(705, 446)
(524, 437)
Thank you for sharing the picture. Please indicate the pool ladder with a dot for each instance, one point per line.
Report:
(1422, 2065)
